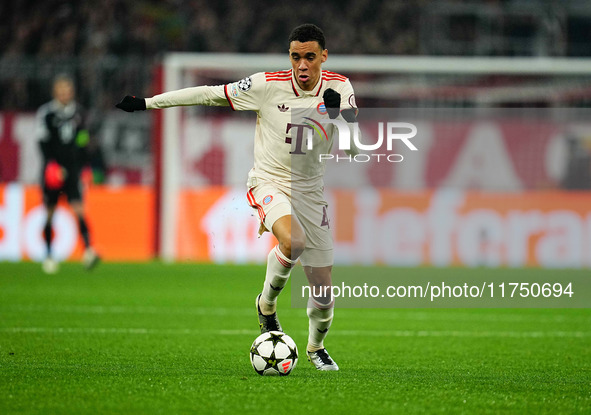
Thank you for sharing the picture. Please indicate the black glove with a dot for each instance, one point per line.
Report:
(349, 114)
(332, 102)
(131, 104)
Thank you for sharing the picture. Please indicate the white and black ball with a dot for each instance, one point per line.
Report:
(273, 354)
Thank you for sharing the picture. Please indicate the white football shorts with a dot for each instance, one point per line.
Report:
(308, 209)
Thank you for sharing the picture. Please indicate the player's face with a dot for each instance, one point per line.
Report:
(63, 91)
(306, 60)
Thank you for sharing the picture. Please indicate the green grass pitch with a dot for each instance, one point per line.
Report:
(174, 339)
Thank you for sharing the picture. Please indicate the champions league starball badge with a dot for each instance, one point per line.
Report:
(245, 84)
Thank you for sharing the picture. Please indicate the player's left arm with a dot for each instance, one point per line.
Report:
(246, 94)
(199, 95)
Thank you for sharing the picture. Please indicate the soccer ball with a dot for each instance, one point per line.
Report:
(273, 353)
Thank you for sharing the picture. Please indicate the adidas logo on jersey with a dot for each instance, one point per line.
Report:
(282, 107)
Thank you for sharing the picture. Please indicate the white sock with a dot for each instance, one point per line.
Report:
(320, 317)
(278, 269)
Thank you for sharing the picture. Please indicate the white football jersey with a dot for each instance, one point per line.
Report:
(281, 152)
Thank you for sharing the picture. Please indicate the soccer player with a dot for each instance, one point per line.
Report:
(63, 140)
(285, 185)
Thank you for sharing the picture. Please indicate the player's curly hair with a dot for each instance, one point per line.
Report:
(308, 32)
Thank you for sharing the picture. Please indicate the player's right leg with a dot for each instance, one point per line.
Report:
(280, 261)
(49, 265)
(275, 213)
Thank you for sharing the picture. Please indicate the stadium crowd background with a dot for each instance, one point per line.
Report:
(120, 40)
(116, 47)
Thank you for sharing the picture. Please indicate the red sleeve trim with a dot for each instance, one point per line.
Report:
(276, 73)
(330, 74)
(278, 76)
(228, 97)
(330, 78)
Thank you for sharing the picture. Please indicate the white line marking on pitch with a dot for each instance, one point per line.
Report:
(351, 333)
(384, 314)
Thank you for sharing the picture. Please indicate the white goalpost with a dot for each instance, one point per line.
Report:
(387, 80)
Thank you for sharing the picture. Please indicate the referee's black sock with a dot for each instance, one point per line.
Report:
(47, 237)
(84, 231)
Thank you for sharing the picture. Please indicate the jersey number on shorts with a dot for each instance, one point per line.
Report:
(325, 221)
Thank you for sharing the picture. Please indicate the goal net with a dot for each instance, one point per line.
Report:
(506, 133)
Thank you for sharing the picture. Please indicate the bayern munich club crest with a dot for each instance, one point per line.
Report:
(267, 199)
(245, 84)
(321, 108)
